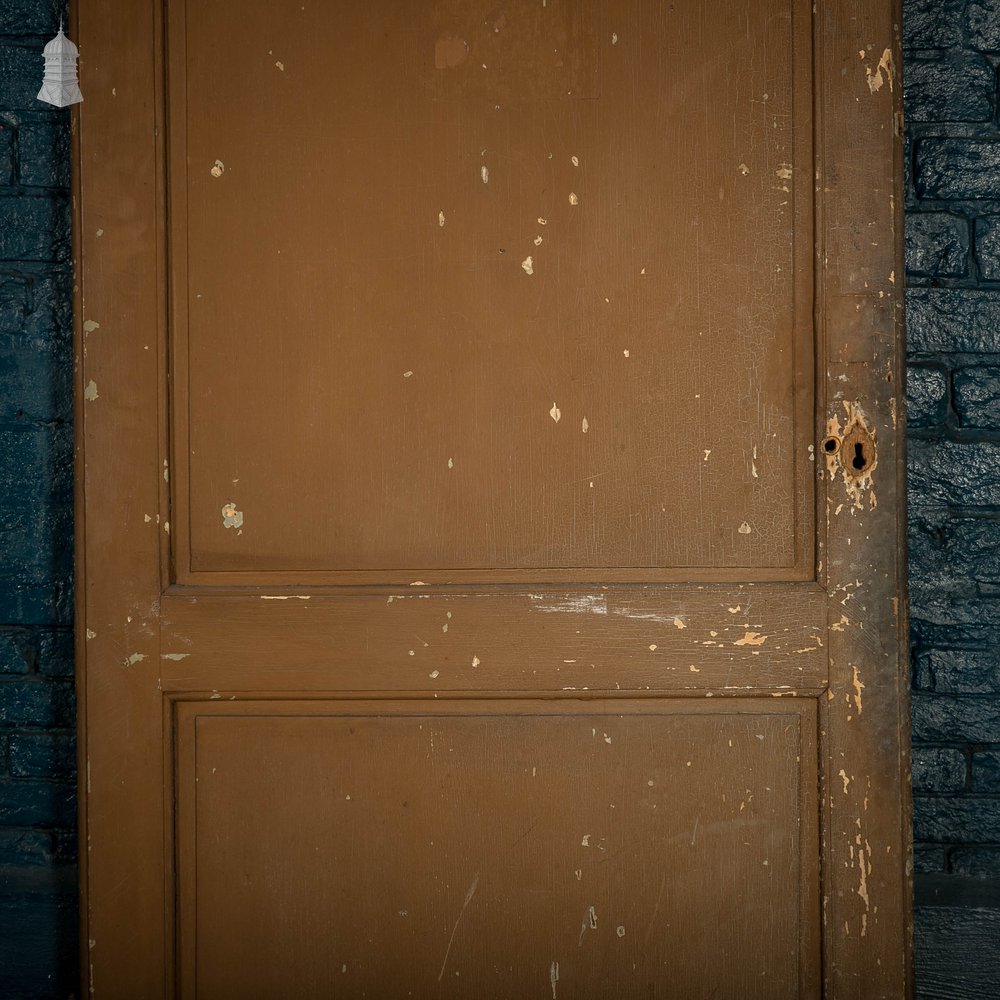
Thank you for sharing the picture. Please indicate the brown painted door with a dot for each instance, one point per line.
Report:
(490, 500)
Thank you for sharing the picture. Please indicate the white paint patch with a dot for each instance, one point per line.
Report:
(555, 413)
(434, 674)
(582, 604)
(218, 168)
(614, 37)
(484, 172)
(174, 656)
(451, 463)
(543, 222)
(134, 659)
(573, 199)
(575, 160)
(231, 517)
(626, 352)
(90, 392)
(744, 528)
(584, 426)
(89, 326)
(476, 661)
(528, 265)
(586, 840)
(620, 930)
(554, 977)
(441, 219)
(280, 65)
(408, 374)
(91, 634)
(538, 241)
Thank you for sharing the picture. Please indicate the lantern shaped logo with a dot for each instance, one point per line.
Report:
(59, 85)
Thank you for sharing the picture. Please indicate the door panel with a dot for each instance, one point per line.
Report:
(490, 505)
(559, 846)
(368, 372)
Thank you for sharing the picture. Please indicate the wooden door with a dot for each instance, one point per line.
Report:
(490, 561)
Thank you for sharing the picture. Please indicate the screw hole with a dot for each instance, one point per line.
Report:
(830, 445)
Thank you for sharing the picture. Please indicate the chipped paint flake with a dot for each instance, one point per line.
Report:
(476, 661)
(575, 160)
(584, 426)
(744, 528)
(555, 413)
(679, 622)
(280, 65)
(441, 219)
(751, 639)
(876, 80)
(858, 688)
(231, 517)
(89, 326)
(484, 173)
(91, 634)
(218, 168)
(134, 658)
(90, 391)
(554, 977)
(174, 656)
(451, 463)
(528, 265)
(573, 199)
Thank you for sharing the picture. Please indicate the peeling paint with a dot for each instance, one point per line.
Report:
(555, 413)
(90, 391)
(218, 168)
(89, 326)
(856, 457)
(554, 977)
(751, 639)
(528, 265)
(858, 688)
(134, 658)
(231, 517)
(573, 199)
(174, 656)
(876, 80)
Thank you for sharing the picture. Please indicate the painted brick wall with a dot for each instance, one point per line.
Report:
(37, 769)
(953, 317)
(953, 267)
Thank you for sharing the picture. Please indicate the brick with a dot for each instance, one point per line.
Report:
(6, 154)
(37, 544)
(34, 306)
(18, 652)
(954, 473)
(983, 21)
(49, 755)
(34, 228)
(942, 320)
(36, 702)
(986, 772)
(26, 847)
(928, 858)
(988, 246)
(56, 653)
(932, 24)
(952, 819)
(956, 87)
(30, 17)
(30, 802)
(937, 245)
(935, 769)
(977, 397)
(49, 603)
(964, 671)
(942, 718)
(957, 168)
(976, 862)
(36, 466)
(37, 380)
(926, 396)
(43, 153)
(21, 66)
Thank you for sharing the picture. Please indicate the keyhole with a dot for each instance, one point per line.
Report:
(859, 461)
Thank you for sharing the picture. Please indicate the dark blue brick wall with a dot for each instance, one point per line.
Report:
(953, 318)
(953, 271)
(38, 913)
